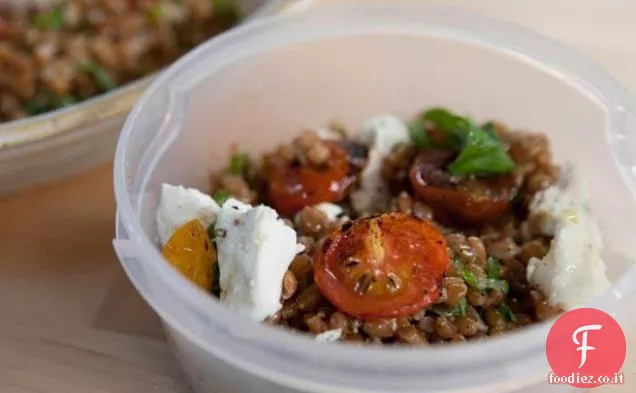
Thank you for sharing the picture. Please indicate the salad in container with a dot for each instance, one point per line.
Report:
(376, 199)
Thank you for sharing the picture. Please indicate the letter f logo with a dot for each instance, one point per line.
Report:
(583, 344)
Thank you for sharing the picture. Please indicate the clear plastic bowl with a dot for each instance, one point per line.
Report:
(262, 83)
(64, 142)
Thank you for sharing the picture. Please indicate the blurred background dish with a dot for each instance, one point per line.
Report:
(65, 52)
(71, 70)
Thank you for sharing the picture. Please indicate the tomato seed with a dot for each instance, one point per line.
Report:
(363, 283)
(394, 282)
(351, 263)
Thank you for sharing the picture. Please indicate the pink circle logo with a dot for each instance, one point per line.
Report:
(586, 348)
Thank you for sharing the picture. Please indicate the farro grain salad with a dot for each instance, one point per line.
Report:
(55, 53)
(436, 230)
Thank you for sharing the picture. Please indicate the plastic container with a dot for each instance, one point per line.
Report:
(65, 142)
(262, 83)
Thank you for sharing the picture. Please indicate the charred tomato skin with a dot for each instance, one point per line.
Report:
(291, 186)
(384, 266)
(459, 201)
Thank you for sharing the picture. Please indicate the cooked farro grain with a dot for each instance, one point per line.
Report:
(311, 221)
(290, 285)
(483, 291)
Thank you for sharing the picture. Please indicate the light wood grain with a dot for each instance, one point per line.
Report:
(69, 320)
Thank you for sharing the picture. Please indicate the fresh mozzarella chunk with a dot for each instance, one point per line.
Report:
(327, 134)
(329, 336)
(255, 248)
(381, 133)
(178, 205)
(331, 210)
(372, 194)
(572, 270)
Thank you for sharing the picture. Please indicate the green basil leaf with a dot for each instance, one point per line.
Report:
(50, 20)
(506, 313)
(418, 134)
(220, 196)
(482, 154)
(239, 163)
(493, 268)
(456, 126)
(451, 131)
(442, 118)
(489, 127)
(99, 75)
(480, 150)
(446, 311)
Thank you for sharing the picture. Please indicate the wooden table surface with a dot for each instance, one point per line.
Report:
(69, 320)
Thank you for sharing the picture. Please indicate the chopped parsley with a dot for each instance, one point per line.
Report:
(459, 310)
(480, 283)
(220, 196)
(52, 19)
(239, 163)
(99, 75)
(506, 313)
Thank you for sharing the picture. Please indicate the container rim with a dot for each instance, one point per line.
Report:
(288, 357)
(61, 121)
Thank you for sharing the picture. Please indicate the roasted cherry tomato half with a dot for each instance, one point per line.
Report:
(293, 186)
(468, 201)
(383, 266)
(192, 253)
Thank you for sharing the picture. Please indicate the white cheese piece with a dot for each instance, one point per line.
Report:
(255, 248)
(179, 205)
(381, 133)
(572, 271)
(329, 336)
(327, 134)
(331, 210)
